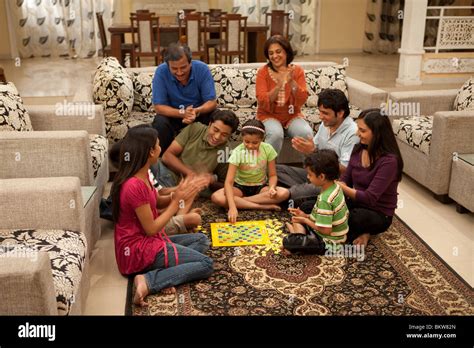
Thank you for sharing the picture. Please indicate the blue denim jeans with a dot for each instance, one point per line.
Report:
(275, 132)
(163, 175)
(192, 263)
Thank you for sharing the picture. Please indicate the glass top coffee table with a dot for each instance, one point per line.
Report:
(461, 185)
(467, 157)
(87, 193)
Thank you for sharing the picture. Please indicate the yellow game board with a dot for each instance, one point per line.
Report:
(240, 233)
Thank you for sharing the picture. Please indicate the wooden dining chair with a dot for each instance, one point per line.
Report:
(125, 48)
(192, 33)
(279, 23)
(214, 15)
(213, 39)
(233, 43)
(145, 37)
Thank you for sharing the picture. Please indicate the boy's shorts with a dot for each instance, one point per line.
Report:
(176, 226)
(308, 243)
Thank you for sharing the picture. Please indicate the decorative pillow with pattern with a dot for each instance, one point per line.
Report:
(13, 115)
(142, 91)
(322, 78)
(235, 87)
(465, 97)
(113, 88)
(415, 131)
(99, 148)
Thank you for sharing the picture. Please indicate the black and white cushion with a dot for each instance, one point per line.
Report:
(67, 252)
(465, 97)
(235, 87)
(98, 151)
(415, 131)
(113, 88)
(322, 78)
(13, 115)
(142, 91)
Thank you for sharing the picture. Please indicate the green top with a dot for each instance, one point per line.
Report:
(252, 165)
(331, 211)
(197, 154)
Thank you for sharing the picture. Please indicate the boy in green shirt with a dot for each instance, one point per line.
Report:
(327, 225)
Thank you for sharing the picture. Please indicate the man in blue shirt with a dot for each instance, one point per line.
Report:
(183, 92)
(337, 132)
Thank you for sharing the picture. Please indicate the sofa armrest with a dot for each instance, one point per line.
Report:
(70, 116)
(42, 203)
(364, 95)
(452, 132)
(429, 101)
(26, 285)
(46, 154)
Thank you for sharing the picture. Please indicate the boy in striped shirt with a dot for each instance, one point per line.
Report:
(327, 226)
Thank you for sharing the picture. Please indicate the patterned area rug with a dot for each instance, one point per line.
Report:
(399, 275)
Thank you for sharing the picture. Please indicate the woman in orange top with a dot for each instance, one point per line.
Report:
(281, 91)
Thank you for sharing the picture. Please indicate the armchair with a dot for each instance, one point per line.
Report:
(60, 146)
(428, 141)
(43, 247)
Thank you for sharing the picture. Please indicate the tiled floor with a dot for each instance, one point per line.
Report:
(448, 233)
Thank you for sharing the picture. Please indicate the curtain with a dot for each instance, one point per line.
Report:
(383, 26)
(302, 32)
(51, 28)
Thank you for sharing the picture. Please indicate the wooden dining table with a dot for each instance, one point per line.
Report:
(256, 37)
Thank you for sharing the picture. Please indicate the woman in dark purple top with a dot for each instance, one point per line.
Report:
(371, 179)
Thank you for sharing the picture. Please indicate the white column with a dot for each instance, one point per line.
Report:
(411, 51)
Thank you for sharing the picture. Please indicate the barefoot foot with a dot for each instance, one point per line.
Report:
(141, 290)
(169, 291)
(363, 239)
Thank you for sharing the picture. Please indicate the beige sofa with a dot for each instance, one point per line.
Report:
(59, 146)
(429, 141)
(126, 95)
(44, 261)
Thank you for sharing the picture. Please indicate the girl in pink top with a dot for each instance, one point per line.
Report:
(141, 245)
